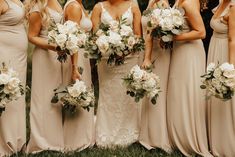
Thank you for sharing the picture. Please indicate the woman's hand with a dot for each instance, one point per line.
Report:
(146, 64)
(75, 75)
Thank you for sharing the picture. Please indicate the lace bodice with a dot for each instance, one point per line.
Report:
(13, 16)
(85, 22)
(106, 18)
(54, 15)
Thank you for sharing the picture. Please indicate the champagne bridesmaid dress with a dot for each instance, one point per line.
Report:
(221, 114)
(153, 132)
(186, 103)
(79, 129)
(47, 74)
(117, 115)
(13, 51)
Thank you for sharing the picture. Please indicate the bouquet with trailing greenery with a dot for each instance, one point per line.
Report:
(68, 37)
(164, 23)
(74, 96)
(11, 87)
(114, 41)
(219, 80)
(140, 83)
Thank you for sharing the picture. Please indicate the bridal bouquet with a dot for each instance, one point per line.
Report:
(11, 87)
(68, 37)
(140, 83)
(164, 24)
(219, 80)
(74, 96)
(114, 41)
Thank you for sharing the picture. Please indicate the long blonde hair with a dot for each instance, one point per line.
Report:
(42, 6)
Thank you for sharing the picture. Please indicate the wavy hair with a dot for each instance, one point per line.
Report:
(42, 6)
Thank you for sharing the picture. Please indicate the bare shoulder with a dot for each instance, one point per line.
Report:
(190, 5)
(135, 7)
(73, 6)
(98, 7)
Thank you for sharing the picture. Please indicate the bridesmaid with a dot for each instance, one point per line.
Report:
(222, 113)
(13, 47)
(47, 74)
(117, 115)
(81, 124)
(186, 103)
(153, 132)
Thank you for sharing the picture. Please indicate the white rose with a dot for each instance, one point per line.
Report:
(166, 13)
(167, 38)
(99, 32)
(226, 67)
(138, 74)
(178, 21)
(115, 38)
(61, 40)
(102, 43)
(72, 43)
(82, 38)
(217, 73)
(131, 42)
(14, 82)
(74, 92)
(229, 73)
(114, 26)
(71, 27)
(80, 85)
(217, 84)
(166, 24)
(126, 30)
(210, 67)
(230, 82)
(61, 28)
(4, 78)
(149, 84)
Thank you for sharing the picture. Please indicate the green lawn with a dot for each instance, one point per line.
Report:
(133, 151)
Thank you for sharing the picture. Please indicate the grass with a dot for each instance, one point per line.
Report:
(135, 150)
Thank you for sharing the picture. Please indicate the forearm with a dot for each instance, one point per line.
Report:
(74, 60)
(42, 43)
(192, 35)
(148, 47)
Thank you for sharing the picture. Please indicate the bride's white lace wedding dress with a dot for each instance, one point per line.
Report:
(117, 116)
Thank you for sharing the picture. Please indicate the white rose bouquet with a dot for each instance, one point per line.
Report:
(114, 41)
(11, 87)
(219, 80)
(140, 83)
(74, 96)
(164, 23)
(68, 37)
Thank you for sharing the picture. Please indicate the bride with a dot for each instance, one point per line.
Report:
(117, 115)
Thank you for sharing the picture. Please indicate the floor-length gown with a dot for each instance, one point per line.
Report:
(186, 103)
(153, 132)
(79, 129)
(221, 114)
(117, 115)
(47, 74)
(13, 51)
